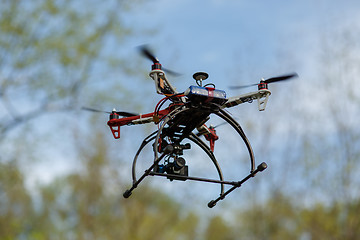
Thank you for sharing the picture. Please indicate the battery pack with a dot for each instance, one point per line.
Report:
(206, 95)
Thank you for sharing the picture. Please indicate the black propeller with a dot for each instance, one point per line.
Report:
(120, 113)
(270, 80)
(146, 52)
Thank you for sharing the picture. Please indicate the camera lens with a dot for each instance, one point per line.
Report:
(179, 163)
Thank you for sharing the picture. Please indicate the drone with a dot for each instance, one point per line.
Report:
(185, 118)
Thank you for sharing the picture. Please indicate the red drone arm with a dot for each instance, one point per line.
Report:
(115, 123)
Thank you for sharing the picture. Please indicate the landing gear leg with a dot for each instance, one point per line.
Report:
(259, 168)
(167, 150)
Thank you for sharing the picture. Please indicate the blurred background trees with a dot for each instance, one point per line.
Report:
(57, 56)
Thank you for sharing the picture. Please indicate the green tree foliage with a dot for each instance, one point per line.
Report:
(49, 50)
(282, 218)
(339, 221)
(88, 204)
(275, 219)
(219, 229)
(16, 208)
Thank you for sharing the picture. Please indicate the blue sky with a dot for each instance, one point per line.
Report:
(221, 37)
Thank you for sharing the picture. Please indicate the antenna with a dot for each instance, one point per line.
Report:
(199, 77)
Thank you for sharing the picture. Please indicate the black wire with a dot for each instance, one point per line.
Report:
(165, 99)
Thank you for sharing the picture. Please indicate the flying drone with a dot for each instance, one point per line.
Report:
(185, 113)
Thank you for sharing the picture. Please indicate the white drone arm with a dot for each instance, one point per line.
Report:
(162, 85)
(262, 97)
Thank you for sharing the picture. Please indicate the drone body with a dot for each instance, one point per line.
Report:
(186, 112)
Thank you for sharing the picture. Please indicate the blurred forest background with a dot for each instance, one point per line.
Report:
(56, 56)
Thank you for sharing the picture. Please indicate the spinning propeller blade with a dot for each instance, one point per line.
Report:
(93, 110)
(243, 86)
(120, 113)
(270, 80)
(171, 72)
(146, 52)
(281, 78)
